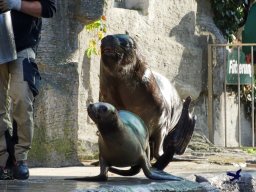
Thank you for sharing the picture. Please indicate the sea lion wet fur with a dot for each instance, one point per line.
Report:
(127, 82)
(123, 142)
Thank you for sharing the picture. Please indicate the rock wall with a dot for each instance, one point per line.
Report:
(63, 132)
(172, 35)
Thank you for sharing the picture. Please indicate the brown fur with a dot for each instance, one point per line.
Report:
(122, 85)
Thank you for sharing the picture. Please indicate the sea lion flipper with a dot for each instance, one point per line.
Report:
(133, 171)
(185, 128)
(161, 175)
(177, 140)
(156, 174)
(164, 159)
(103, 176)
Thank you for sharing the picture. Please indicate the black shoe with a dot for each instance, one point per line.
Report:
(20, 170)
(6, 174)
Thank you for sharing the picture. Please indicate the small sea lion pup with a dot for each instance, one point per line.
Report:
(129, 84)
(123, 142)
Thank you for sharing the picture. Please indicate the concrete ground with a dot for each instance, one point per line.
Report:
(52, 179)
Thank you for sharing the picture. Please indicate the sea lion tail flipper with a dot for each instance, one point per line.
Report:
(156, 174)
(177, 140)
(183, 137)
(133, 171)
(93, 178)
(103, 176)
(164, 159)
(183, 131)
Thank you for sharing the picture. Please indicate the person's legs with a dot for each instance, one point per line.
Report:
(5, 123)
(22, 97)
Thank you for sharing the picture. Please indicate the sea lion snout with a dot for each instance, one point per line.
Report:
(97, 108)
(91, 111)
(100, 111)
(118, 51)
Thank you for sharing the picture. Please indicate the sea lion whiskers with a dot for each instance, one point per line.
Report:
(108, 51)
(112, 51)
(126, 69)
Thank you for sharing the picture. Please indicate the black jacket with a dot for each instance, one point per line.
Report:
(27, 29)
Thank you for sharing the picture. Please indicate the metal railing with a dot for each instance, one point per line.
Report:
(212, 61)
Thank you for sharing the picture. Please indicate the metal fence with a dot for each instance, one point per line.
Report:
(245, 77)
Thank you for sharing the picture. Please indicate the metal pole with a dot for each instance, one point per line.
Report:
(210, 93)
(239, 116)
(225, 96)
(252, 62)
(238, 44)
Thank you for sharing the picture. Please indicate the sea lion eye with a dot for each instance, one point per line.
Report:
(124, 43)
(103, 109)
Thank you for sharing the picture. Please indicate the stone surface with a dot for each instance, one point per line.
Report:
(190, 166)
(114, 185)
(63, 132)
(222, 182)
(187, 166)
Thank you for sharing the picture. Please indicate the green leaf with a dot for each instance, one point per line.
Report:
(94, 51)
(93, 25)
(89, 52)
(98, 29)
(228, 14)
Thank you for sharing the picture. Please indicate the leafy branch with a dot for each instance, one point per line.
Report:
(99, 29)
(229, 15)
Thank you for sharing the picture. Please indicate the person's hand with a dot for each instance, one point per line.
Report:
(6, 5)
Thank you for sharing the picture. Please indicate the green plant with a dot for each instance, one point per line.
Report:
(98, 29)
(229, 15)
(246, 98)
(250, 150)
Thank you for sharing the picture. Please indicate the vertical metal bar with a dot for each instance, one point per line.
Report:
(239, 116)
(210, 94)
(252, 86)
(225, 95)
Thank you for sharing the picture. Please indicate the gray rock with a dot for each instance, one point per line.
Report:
(222, 182)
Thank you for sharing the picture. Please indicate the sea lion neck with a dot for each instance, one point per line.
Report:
(109, 127)
(132, 71)
(139, 67)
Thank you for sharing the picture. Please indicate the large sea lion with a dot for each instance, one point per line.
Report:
(123, 142)
(129, 84)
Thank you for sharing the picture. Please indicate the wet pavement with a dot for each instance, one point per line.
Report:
(53, 179)
(114, 184)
